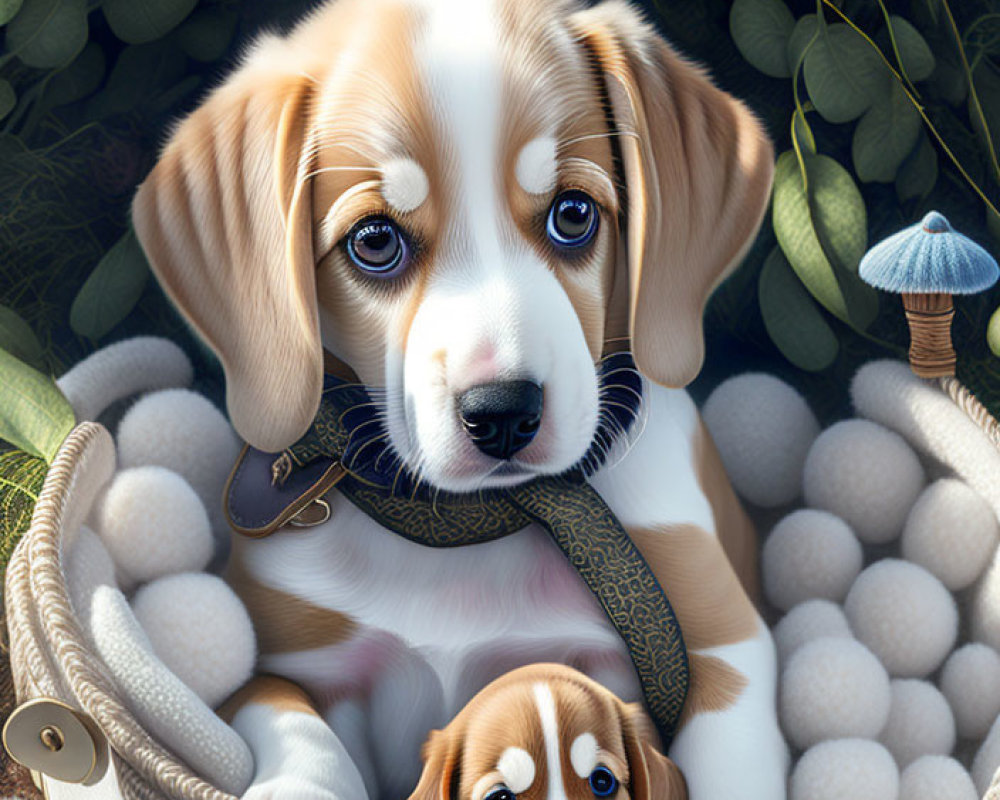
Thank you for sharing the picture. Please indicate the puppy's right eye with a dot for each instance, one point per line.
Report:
(377, 247)
(500, 793)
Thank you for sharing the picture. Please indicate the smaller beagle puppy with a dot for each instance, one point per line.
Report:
(547, 732)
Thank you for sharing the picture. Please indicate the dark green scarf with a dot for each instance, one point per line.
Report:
(574, 514)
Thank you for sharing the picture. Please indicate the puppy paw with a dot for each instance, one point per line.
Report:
(291, 788)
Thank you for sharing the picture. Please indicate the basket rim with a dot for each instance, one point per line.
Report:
(48, 646)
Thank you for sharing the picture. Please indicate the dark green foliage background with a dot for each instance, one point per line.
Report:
(82, 135)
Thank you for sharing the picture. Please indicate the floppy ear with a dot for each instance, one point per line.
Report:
(442, 755)
(697, 167)
(652, 776)
(225, 221)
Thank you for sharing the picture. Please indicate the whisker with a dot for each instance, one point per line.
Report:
(605, 135)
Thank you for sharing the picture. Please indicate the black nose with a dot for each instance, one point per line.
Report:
(503, 417)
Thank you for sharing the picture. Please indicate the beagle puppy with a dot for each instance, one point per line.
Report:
(471, 204)
(547, 731)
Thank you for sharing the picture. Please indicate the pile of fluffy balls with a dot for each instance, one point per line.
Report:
(881, 571)
(176, 639)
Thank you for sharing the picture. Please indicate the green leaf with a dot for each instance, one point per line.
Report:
(843, 74)
(48, 33)
(7, 98)
(34, 415)
(21, 479)
(803, 32)
(141, 73)
(79, 79)
(8, 8)
(792, 318)
(993, 333)
(206, 36)
(949, 81)
(760, 29)
(918, 60)
(824, 234)
(919, 172)
(112, 290)
(141, 21)
(17, 338)
(885, 136)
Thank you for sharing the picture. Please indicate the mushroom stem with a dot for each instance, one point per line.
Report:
(929, 317)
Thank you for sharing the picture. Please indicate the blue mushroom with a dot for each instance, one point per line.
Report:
(927, 263)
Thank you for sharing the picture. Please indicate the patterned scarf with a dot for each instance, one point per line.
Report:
(344, 448)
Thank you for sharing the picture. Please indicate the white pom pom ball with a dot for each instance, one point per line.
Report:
(830, 689)
(809, 554)
(904, 615)
(182, 431)
(199, 628)
(936, 778)
(808, 621)
(952, 532)
(153, 524)
(847, 768)
(865, 474)
(920, 722)
(987, 760)
(971, 682)
(763, 429)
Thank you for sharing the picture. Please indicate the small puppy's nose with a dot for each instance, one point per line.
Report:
(502, 417)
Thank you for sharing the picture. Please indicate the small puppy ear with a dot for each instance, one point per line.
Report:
(442, 756)
(225, 220)
(653, 776)
(697, 168)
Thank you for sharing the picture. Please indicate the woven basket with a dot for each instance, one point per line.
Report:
(50, 657)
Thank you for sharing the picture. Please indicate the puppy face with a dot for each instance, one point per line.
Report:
(467, 203)
(547, 732)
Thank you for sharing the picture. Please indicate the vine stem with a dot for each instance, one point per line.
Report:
(972, 91)
(916, 104)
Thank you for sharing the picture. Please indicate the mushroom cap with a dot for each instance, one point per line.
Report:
(927, 258)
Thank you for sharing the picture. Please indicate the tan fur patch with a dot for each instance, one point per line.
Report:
(715, 686)
(692, 567)
(285, 623)
(732, 525)
(278, 693)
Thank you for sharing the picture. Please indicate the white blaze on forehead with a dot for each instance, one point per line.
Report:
(550, 732)
(404, 184)
(583, 754)
(461, 59)
(536, 166)
(518, 769)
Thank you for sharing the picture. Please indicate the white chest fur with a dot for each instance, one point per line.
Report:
(471, 613)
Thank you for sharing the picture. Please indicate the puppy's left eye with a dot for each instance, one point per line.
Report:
(603, 782)
(572, 219)
(500, 793)
(377, 247)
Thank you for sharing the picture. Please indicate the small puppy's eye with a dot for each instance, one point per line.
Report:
(572, 219)
(500, 793)
(603, 782)
(377, 247)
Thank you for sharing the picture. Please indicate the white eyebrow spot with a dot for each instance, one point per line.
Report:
(583, 754)
(536, 166)
(518, 769)
(404, 184)
(550, 731)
